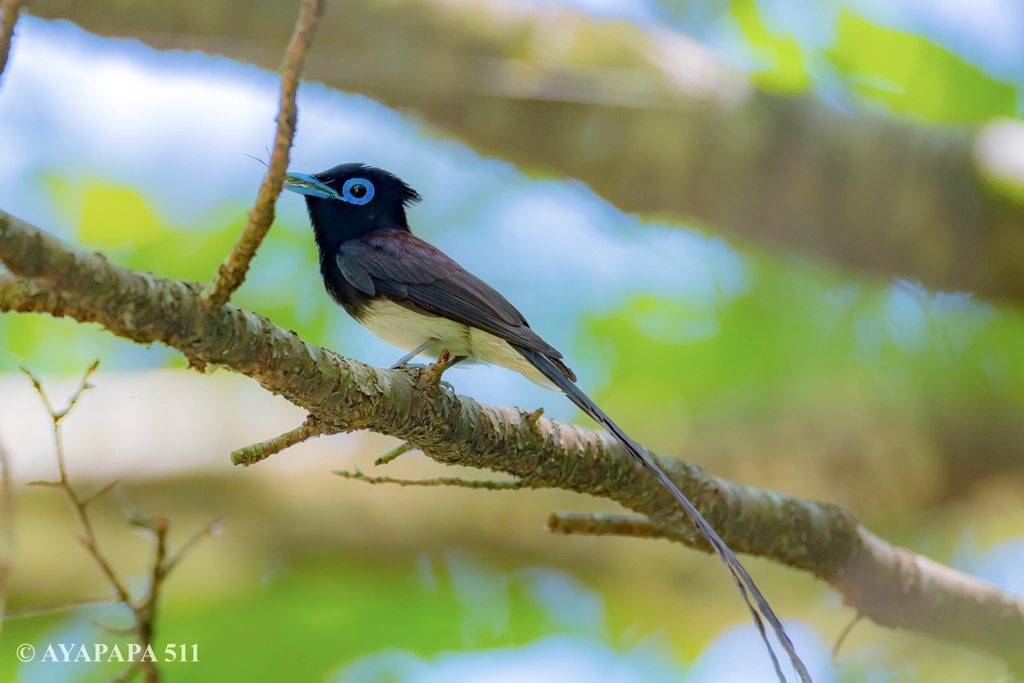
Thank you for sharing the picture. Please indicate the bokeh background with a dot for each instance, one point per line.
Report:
(903, 405)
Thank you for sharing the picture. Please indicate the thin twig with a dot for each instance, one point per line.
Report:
(250, 455)
(6, 530)
(595, 524)
(231, 273)
(99, 493)
(144, 610)
(211, 529)
(842, 637)
(393, 454)
(78, 505)
(10, 10)
(65, 606)
(438, 481)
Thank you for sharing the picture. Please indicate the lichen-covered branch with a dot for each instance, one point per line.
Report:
(231, 273)
(884, 583)
(649, 120)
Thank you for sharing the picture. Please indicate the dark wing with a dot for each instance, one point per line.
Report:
(410, 272)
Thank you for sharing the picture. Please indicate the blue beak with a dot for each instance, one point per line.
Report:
(302, 183)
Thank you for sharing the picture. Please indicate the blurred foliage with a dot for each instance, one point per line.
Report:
(800, 325)
(914, 76)
(326, 611)
(881, 399)
(783, 58)
(905, 73)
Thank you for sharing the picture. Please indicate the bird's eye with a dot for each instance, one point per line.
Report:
(357, 190)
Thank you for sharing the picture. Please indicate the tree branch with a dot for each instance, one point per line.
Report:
(9, 12)
(231, 273)
(676, 133)
(888, 584)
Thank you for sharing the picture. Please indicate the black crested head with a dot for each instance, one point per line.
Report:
(351, 200)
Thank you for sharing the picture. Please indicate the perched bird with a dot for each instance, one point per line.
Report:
(413, 296)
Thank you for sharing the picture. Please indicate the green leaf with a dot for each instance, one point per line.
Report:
(786, 71)
(912, 75)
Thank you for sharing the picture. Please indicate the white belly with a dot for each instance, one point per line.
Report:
(406, 329)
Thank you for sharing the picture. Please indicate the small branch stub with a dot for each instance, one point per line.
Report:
(392, 455)
(250, 455)
(429, 376)
(595, 524)
(437, 481)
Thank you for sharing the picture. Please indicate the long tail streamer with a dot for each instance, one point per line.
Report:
(748, 589)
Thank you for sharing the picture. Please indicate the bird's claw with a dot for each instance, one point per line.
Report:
(408, 366)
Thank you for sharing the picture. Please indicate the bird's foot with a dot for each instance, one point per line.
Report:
(403, 362)
(410, 366)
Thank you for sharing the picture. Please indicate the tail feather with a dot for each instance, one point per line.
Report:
(743, 580)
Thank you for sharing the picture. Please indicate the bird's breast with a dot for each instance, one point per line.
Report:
(408, 329)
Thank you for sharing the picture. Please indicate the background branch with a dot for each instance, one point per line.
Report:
(9, 12)
(681, 135)
(885, 583)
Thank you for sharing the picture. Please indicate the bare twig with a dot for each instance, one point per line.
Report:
(100, 492)
(6, 530)
(211, 529)
(78, 505)
(392, 455)
(64, 606)
(842, 637)
(596, 524)
(144, 609)
(250, 455)
(439, 481)
(10, 10)
(231, 273)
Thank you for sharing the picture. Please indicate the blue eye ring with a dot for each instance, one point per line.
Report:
(357, 191)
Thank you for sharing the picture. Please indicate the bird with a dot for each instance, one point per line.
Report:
(415, 297)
